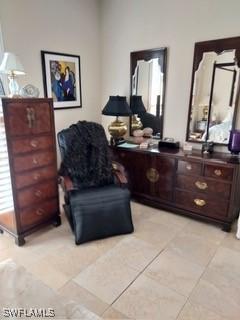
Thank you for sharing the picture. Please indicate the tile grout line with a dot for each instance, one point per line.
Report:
(204, 271)
(138, 275)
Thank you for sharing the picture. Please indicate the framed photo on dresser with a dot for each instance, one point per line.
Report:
(62, 79)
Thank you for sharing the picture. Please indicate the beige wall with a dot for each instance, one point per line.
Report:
(65, 26)
(130, 25)
(73, 26)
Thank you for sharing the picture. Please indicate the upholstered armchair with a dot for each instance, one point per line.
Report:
(97, 199)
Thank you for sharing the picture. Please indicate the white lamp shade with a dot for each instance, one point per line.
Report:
(11, 64)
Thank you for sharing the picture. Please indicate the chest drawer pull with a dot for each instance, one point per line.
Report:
(36, 176)
(34, 161)
(30, 117)
(34, 143)
(152, 175)
(188, 167)
(200, 202)
(218, 172)
(201, 185)
(40, 212)
(38, 193)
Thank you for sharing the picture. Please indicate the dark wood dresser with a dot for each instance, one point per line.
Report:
(201, 186)
(30, 135)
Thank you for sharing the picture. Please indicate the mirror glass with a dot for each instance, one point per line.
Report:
(215, 91)
(148, 79)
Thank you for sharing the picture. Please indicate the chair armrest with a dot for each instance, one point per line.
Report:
(119, 174)
(66, 183)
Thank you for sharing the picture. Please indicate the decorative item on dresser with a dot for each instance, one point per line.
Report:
(30, 134)
(201, 186)
(12, 66)
(117, 106)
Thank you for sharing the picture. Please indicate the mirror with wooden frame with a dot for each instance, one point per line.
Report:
(148, 80)
(214, 90)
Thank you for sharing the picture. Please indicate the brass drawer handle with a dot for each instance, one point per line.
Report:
(34, 144)
(200, 202)
(30, 117)
(218, 172)
(34, 161)
(36, 176)
(189, 167)
(40, 212)
(38, 193)
(152, 175)
(201, 185)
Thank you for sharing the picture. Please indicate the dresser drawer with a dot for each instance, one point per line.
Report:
(27, 179)
(189, 168)
(200, 184)
(31, 144)
(27, 118)
(201, 203)
(36, 194)
(218, 172)
(35, 160)
(38, 214)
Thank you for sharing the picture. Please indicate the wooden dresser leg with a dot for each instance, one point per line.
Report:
(1, 231)
(19, 241)
(226, 227)
(57, 221)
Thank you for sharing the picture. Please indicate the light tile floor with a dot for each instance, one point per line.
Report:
(170, 268)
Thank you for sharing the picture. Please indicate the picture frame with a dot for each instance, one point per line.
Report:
(62, 79)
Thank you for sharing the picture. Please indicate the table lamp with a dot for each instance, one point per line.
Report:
(117, 106)
(137, 107)
(12, 67)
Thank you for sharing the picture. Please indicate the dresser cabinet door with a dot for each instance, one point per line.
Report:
(149, 174)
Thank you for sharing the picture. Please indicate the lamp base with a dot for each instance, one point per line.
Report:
(136, 123)
(13, 86)
(117, 129)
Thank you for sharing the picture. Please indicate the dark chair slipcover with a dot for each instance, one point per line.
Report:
(94, 212)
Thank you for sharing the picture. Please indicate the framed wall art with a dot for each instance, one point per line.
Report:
(62, 79)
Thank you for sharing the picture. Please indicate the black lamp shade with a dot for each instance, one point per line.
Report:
(136, 105)
(117, 106)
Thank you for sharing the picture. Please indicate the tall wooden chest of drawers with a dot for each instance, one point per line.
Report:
(202, 186)
(30, 135)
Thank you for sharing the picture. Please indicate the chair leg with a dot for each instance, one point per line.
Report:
(57, 221)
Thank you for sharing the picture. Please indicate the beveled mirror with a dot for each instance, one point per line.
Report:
(214, 90)
(148, 80)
